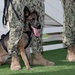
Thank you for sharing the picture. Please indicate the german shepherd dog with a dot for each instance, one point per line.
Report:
(31, 20)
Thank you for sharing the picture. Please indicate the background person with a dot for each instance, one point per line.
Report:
(69, 28)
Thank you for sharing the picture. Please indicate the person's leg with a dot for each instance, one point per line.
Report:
(69, 28)
(16, 30)
(37, 42)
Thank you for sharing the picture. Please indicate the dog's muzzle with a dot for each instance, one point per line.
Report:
(35, 24)
(38, 26)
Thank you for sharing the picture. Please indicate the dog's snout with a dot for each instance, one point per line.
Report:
(38, 25)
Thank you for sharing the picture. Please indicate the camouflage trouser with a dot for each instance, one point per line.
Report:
(16, 26)
(69, 22)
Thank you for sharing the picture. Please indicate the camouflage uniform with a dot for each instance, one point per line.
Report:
(69, 22)
(16, 26)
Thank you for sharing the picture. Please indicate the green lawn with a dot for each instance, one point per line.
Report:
(62, 66)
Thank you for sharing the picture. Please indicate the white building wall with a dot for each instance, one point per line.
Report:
(54, 9)
(3, 30)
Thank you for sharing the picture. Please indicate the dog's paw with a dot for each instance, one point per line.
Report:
(28, 68)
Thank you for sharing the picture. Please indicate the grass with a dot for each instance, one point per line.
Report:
(52, 42)
(62, 66)
(45, 35)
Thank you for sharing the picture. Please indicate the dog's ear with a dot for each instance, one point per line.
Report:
(35, 12)
(26, 12)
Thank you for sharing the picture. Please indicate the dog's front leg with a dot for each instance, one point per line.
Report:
(22, 52)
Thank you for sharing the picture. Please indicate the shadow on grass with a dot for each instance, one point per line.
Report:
(5, 65)
(58, 57)
(60, 72)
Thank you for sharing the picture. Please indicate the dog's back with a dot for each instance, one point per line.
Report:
(4, 55)
(3, 41)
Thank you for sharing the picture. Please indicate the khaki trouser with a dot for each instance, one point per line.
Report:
(69, 22)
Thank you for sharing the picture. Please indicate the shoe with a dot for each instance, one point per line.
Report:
(39, 60)
(15, 65)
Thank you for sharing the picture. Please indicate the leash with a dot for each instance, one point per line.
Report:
(5, 12)
(16, 12)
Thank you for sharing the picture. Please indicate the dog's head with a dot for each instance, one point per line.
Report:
(32, 19)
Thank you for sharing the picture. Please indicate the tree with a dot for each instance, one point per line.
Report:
(69, 27)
